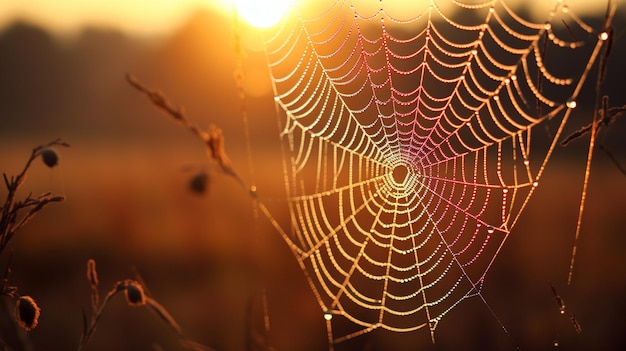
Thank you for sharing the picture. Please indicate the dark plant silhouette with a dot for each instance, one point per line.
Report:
(15, 213)
(136, 296)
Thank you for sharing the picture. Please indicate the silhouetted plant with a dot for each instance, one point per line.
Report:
(14, 214)
(135, 295)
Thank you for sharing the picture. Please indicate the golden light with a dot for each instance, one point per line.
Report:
(262, 13)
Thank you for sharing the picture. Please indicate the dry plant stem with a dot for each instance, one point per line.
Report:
(20, 342)
(563, 310)
(162, 313)
(14, 215)
(91, 328)
(8, 290)
(258, 337)
(613, 159)
(598, 117)
(135, 296)
(213, 138)
(608, 115)
(10, 222)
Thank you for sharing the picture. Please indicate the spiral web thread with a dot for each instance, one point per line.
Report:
(411, 148)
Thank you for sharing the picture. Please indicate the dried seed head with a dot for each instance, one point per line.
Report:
(27, 313)
(49, 157)
(199, 183)
(134, 293)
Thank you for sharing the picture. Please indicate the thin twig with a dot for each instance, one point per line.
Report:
(213, 138)
(606, 119)
(598, 116)
(613, 158)
(563, 311)
(96, 316)
(135, 296)
(10, 221)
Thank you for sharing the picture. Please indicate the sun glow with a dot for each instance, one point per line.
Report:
(262, 13)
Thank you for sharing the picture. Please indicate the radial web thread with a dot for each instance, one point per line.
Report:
(411, 148)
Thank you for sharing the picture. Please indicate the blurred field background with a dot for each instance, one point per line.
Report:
(207, 258)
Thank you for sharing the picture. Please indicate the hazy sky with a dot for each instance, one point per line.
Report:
(149, 17)
(136, 16)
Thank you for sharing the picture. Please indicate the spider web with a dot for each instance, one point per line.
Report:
(411, 148)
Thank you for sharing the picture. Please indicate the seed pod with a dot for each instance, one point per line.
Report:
(49, 157)
(27, 312)
(199, 183)
(134, 293)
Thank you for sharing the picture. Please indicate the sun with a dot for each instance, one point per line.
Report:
(262, 13)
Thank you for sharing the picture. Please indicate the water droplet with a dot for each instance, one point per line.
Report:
(328, 315)
(565, 9)
(514, 77)
(571, 103)
(604, 36)
(535, 184)
(526, 162)
(474, 52)
(505, 190)
(490, 229)
(547, 26)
